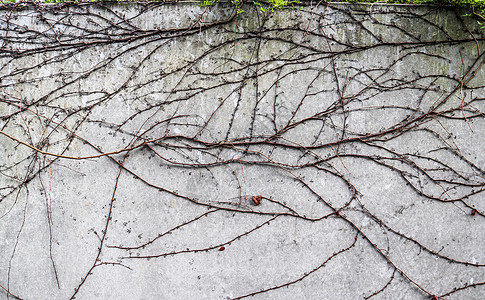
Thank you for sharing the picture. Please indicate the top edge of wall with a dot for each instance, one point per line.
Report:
(303, 3)
(387, 7)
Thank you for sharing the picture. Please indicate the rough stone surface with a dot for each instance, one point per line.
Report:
(135, 138)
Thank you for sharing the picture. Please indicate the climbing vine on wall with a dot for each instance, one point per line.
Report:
(187, 152)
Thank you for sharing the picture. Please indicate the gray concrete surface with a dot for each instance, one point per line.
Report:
(136, 139)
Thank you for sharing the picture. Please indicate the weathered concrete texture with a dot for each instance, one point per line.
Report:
(136, 138)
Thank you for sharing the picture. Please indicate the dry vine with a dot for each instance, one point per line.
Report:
(168, 150)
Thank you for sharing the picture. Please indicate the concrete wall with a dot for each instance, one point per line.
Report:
(136, 140)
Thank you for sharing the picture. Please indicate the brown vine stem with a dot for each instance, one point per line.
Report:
(235, 142)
